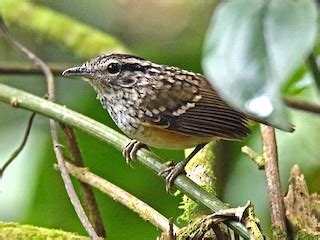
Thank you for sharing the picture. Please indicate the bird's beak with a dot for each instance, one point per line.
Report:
(77, 72)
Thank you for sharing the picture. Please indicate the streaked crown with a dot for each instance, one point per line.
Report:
(113, 70)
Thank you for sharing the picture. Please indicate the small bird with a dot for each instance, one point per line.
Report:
(161, 106)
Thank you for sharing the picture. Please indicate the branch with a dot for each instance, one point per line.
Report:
(115, 139)
(68, 184)
(28, 69)
(302, 105)
(88, 196)
(255, 157)
(270, 154)
(21, 146)
(199, 169)
(53, 129)
(9, 230)
(125, 198)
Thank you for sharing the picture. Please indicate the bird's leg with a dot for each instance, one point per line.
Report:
(130, 151)
(172, 172)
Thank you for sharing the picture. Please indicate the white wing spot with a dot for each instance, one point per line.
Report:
(260, 106)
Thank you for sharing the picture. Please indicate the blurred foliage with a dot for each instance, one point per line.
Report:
(169, 32)
(268, 40)
(298, 82)
(59, 28)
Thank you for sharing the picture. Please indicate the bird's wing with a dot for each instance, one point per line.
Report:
(192, 107)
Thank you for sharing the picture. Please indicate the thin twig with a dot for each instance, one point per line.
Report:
(270, 154)
(28, 69)
(314, 69)
(144, 210)
(100, 131)
(258, 159)
(20, 147)
(53, 126)
(68, 184)
(302, 105)
(90, 202)
(38, 62)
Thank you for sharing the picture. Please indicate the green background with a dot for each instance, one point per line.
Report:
(168, 32)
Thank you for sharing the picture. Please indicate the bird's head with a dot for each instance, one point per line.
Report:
(114, 70)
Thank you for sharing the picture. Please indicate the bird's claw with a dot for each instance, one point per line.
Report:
(130, 151)
(171, 172)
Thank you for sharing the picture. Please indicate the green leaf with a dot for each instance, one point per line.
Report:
(299, 81)
(253, 47)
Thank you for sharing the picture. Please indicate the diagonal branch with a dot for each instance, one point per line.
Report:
(53, 129)
(88, 195)
(115, 139)
(302, 105)
(125, 198)
(68, 184)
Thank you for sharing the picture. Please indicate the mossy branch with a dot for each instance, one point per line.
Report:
(9, 230)
(115, 139)
(201, 170)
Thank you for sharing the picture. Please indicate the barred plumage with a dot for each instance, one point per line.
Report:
(142, 93)
(159, 105)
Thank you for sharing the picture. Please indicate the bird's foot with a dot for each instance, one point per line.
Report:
(130, 151)
(172, 172)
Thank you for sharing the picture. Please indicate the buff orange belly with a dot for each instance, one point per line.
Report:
(164, 139)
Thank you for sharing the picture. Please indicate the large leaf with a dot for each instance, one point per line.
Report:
(253, 47)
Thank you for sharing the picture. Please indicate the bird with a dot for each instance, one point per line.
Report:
(161, 106)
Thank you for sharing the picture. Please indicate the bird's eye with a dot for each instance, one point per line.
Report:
(113, 68)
